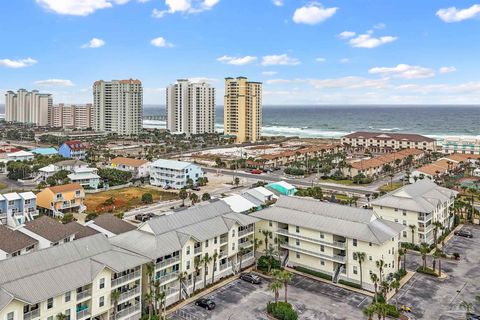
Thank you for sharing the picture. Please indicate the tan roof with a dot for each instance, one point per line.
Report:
(389, 136)
(113, 224)
(384, 159)
(461, 157)
(129, 161)
(49, 228)
(440, 166)
(13, 240)
(66, 187)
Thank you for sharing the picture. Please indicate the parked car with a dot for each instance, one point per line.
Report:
(196, 188)
(277, 168)
(250, 277)
(406, 308)
(144, 216)
(463, 233)
(167, 188)
(473, 316)
(256, 171)
(205, 303)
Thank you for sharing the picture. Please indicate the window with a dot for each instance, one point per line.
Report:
(322, 248)
(297, 229)
(188, 250)
(233, 246)
(404, 212)
(188, 265)
(298, 255)
(101, 301)
(50, 318)
(404, 222)
(66, 240)
(233, 233)
(215, 240)
(270, 223)
(10, 316)
(206, 243)
(322, 262)
(404, 234)
(369, 244)
(68, 296)
(297, 242)
(370, 258)
(354, 256)
(396, 220)
(67, 314)
(102, 283)
(396, 209)
(322, 235)
(354, 242)
(50, 303)
(355, 271)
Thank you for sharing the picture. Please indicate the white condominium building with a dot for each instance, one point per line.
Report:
(27, 107)
(326, 237)
(387, 142)
(174, 174)
(190, 107)
(118, 106)
(420, 205)
(243, 109)
(71, 116)
(75, 279)
(464, 145)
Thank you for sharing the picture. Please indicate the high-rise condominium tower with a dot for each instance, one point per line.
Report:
(117, 106)
(27, 107)
(243, 109)
(71, 116)
(190, 107)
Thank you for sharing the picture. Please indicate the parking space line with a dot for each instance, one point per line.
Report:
(360, 304)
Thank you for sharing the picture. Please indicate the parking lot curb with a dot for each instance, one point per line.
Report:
(306, 275)
(403, 282)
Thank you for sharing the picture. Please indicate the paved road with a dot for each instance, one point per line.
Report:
(296, 182)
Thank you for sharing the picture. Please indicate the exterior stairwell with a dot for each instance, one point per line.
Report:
(285, 259)
(336, 275)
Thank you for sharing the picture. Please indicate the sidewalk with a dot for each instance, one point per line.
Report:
(403, 281)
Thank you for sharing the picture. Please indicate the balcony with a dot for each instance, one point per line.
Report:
(197, 250)
(425, 217)
(222, 254)
(224, 266)
(125, 312)
(83, 314)
(335, 257)
(425, 229)
(223, 240)
(126, 278)
(167, 277)
(130, 293)
(333, 244)
(245, 244)
(167, 262)
(32, 314)
(84, 294)
(244, 232)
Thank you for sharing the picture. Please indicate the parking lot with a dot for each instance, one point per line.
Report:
(432, 298)
(313, 300)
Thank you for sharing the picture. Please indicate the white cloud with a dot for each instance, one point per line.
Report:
(269, 73)
(94, 43)
(78, 7)
(453, 14)
(237, 61)
(283, 81)
(278, 3)
(279, 59)
(344, 60)
(350, 82)
(185, 6)
(313, 13)
(161, 42)
(368, 41)
(55, 83)
(379, 26)
(447, 69)
(403, 71)
(320, 60)
(16, 64)
(347, 34)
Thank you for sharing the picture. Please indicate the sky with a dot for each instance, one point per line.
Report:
(305, 52)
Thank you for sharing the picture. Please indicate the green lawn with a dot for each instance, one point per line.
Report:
(390, 187)
(344, 182)
(2, 186)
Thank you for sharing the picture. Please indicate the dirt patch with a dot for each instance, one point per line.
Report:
(122, 200)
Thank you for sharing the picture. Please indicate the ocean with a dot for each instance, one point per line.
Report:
(335, 121)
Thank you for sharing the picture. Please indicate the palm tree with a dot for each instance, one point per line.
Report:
(206, 261)
(61, 316)
(401, 252)
(374, 279)
(396, 285)
(115, 295)
(275, 286)
(149, 300)
(197, 261)
(467, 306)
(150, 272)
(369, 312)
(424, 250)
(256, 243)
(214, 259)
(361, 258)
(181, 277)
(241, 252)
(286, 278)
(385, 286)
(182, 194)
(194, 198)
(266, 234)
(162, 296)
(436, 226)
(380, 264)
(269, 253)
(437, 255)
(412, 229)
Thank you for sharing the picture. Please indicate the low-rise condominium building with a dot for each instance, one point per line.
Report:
(17, 208)
(463, 145)
(418, 206)
(387, 142)
(138, 167)
(174, 174)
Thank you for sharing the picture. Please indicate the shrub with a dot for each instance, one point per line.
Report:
(90, 216)
(282, 311)
(456, 255)
(400, 274)
(264, 261)
(147, 198)
(294, 171)
(315, 273)
(427, 271)
(67, 217)
(392, 311)
(350, 284)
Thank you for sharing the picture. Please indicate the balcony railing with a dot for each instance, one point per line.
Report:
(222, 254)
(125, 312)
(169, 261)
(224, 266)
(336, 244)
(83, 314)
(244, 232)
(245, 244)
(223, 240)
(125, 278)
(130, 293)
(425, 229)
(32, 314)
(335, 257)
(84, 294)
(425, 217)
(167, 277)
(197, 250)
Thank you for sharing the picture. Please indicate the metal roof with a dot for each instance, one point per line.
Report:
(172, 164)
(239, 203)
(421, 196)
(341, 220)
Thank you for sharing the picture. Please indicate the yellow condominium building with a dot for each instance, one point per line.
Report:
(58, 200)
(243, 109)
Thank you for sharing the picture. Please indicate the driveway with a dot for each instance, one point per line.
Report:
(432, 298)
(314, 301)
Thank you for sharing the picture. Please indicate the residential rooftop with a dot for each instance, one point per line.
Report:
(113, 224)
(49, 228)
(129, 161)
(80, 230)
(13, 240)
(171, 164)
(389, 136)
